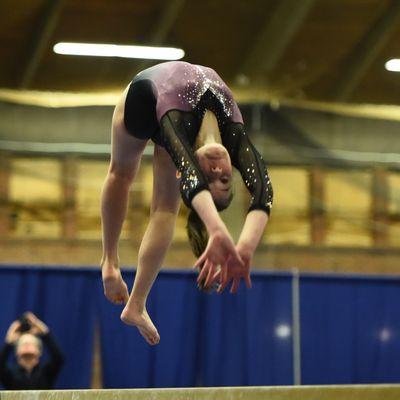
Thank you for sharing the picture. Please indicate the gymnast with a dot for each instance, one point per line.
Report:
(198, 134)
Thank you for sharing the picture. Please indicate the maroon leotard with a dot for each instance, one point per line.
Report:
(178, 85)
(166, 103)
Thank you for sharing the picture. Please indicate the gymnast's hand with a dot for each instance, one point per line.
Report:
(220, 251)
(210, 274)
(235, 272)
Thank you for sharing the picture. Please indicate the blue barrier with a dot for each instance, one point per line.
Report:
(348, 324)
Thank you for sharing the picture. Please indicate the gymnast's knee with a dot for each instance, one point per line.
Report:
(120, 173)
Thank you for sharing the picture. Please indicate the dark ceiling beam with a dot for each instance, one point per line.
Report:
(277, 34)
(163, 26)
(39, 44)
(365, 52)
(167, 20)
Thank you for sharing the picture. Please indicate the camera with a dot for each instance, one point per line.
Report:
(25, 324)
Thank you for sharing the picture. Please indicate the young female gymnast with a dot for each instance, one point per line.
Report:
(198, 134)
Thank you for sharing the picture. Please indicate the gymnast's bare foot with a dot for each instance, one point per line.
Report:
(115, 288)
(136, 315)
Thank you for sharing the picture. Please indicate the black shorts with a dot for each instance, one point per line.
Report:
(140, 115)
(140, 111)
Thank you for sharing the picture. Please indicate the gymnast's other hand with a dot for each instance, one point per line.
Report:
(210, 275)
(115, 289)
(220, 249)
(235, 272)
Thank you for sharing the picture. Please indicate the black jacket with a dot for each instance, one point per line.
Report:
(41, 377)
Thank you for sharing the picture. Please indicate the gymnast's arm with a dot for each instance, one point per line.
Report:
(195, 191)
(254, 173)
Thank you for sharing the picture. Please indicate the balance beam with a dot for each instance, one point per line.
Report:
(334, 392)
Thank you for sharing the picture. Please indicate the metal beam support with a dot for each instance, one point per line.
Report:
(380, 206)
(317, 206)
(366, 52)
(275, 37)
(167, 21)
(5, 212)
(296, 327)
(291, 137)
(45, 30)
(69, 186)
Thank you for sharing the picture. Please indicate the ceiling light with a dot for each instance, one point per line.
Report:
(114, 50)
(393, 65)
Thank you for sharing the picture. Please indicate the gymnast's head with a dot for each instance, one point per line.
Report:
(216, 165)
(214, 160)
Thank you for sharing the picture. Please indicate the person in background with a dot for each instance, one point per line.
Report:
(26, 337)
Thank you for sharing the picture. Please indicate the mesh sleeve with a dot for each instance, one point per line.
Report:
(178, 130)
(251, 166)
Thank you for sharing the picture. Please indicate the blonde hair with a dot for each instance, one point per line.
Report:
(196, 230)
(197, 233)
(28, 337)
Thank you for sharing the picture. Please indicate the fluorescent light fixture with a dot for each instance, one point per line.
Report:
(114, 50)
(393, 65)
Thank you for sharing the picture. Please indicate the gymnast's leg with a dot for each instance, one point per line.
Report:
(155, 243)
(125, 160)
